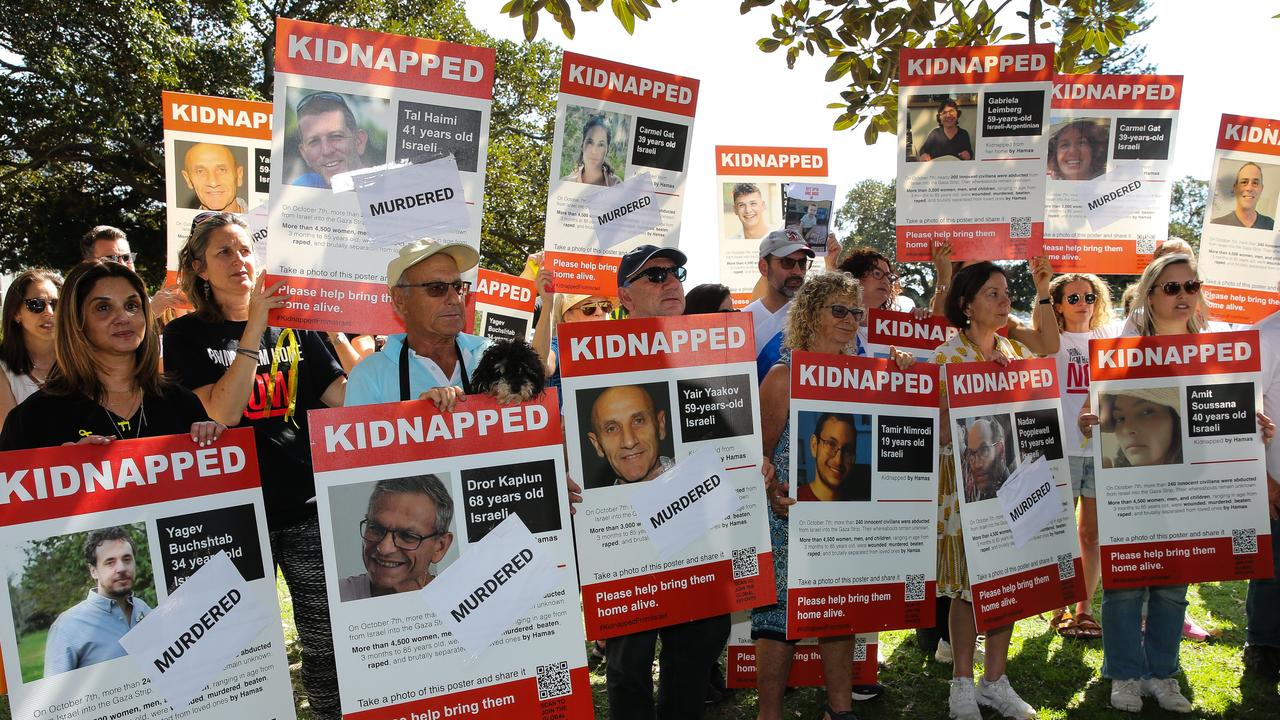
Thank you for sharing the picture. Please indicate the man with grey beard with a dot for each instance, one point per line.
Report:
(784, 260)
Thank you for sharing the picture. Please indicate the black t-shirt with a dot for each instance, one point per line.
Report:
(938, 144)
(198, 353)
(44, 420)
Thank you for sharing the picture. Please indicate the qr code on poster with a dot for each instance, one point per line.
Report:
(859, 649)
(1146, 243)
(1244, 541)
(915, 588)
(1066, 566)
(745, 563)
(553, 680)
(1020, 227)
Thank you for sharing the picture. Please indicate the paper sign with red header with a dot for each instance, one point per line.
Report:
(1004, 418)
(181, 505)
(806, 664)
(402, 475)
(350, 101)
(500, 306)
(920, 337)
(972, 147)
(639, 396)
(1239, 246)
(862, 537)
(1182, 484)
(613, 123)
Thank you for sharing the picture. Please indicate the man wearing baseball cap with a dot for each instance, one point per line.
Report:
(649, 282)
(434, 354)
(784, 259)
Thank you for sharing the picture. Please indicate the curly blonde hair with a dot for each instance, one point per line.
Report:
(805, 317)
(1102, 301)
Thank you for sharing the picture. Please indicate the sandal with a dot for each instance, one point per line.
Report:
(1086, 627)
(829, 713)
(1060, 621)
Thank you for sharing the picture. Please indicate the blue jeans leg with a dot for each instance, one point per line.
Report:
(1165, 614)
(1263, 603)
(1129, 652)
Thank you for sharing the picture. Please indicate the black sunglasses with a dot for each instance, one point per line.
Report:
(792, 263)
(1074, 299)
(1171, 288)
(35, 306)
(658, 275)
(439, 287)
(326, 96)
(590, 310)
(840, 311)
(203, 217)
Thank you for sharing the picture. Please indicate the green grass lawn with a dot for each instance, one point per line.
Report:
(31, 654)
(1061, 677)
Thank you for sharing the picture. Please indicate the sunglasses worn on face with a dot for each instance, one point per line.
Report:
(658, 275)
(792, 263)
(439, 287)
(123, 258)
(1074, 299)
(840, 311)
(35, 306)
(1171, 288)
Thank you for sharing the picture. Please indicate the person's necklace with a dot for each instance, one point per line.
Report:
(125, 423)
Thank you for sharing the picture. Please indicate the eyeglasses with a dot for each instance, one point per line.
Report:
(203, 217)
(792, 263)
(1074, 299)
(983, 450)
(404, 539)
(658, 275)
(123, 258)
(590, 309)
(438, 288)
(878, 274)
(1191, 287)
(35, 306)
(832, 447)
(840, 311)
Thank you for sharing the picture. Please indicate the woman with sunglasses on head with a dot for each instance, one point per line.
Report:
(247, 373)
(978, 304)
(1141, 656)
(105, 382)
(1082, 306)
(562, 308)
(26, 348)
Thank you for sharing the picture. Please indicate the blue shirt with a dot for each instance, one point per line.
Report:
(376, 379)
(89, 632)
(311, 179)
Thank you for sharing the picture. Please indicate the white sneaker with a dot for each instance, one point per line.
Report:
(999, 695)
(963, 703)
(943, 653)
(1167, 693)
(1126, 695)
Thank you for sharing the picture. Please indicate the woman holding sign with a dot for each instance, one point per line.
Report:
(978, 304)
(105, 384)
(1141, 657)
(247, 373)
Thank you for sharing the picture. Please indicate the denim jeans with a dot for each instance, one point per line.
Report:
(1128, 651)
(1263, 604)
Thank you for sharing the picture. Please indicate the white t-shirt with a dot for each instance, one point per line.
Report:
(1073, 375)
(767, 324)
(1269, 340)
(22, 385)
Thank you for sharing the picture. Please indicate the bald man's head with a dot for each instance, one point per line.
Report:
(626, 430)
(212, 173)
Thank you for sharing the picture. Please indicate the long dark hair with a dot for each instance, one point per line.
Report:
(191, 260)
(593, 122)
(13, 348)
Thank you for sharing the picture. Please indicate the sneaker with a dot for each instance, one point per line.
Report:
(1167, 693)
(1192, 631)
(1262, 661)
(943, 653)
(1126, 695)
(999, 696)
(867, 692)
(963, 701)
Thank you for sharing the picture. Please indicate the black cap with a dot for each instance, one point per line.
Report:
(637, 257)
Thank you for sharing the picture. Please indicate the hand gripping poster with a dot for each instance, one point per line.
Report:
(1110, 156)
(437, 609)
(651, 405)
(217, 159)
(752, 189)
(1014, 488)
(862, 538)
(1182, 494)
(98, 543)
(972, 146)
(1239, 246)
(348, 104)
(806, 664)
(618, 165)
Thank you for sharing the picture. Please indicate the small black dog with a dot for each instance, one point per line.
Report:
(509, 370)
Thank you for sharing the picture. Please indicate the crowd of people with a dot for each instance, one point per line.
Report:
(95, 358)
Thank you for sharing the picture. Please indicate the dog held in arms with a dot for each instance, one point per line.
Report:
(509, 371)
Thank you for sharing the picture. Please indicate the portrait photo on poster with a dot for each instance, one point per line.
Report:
(941, 127)
(1078, 147)
(751, 209)
(626, 433)
(77, 594)
(833, 460)
(1245, 194)
(987, 456)
(329, 133)
(215, 176)
(811, 218)
(1140, 427)
(392, 535)
(595, 146)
